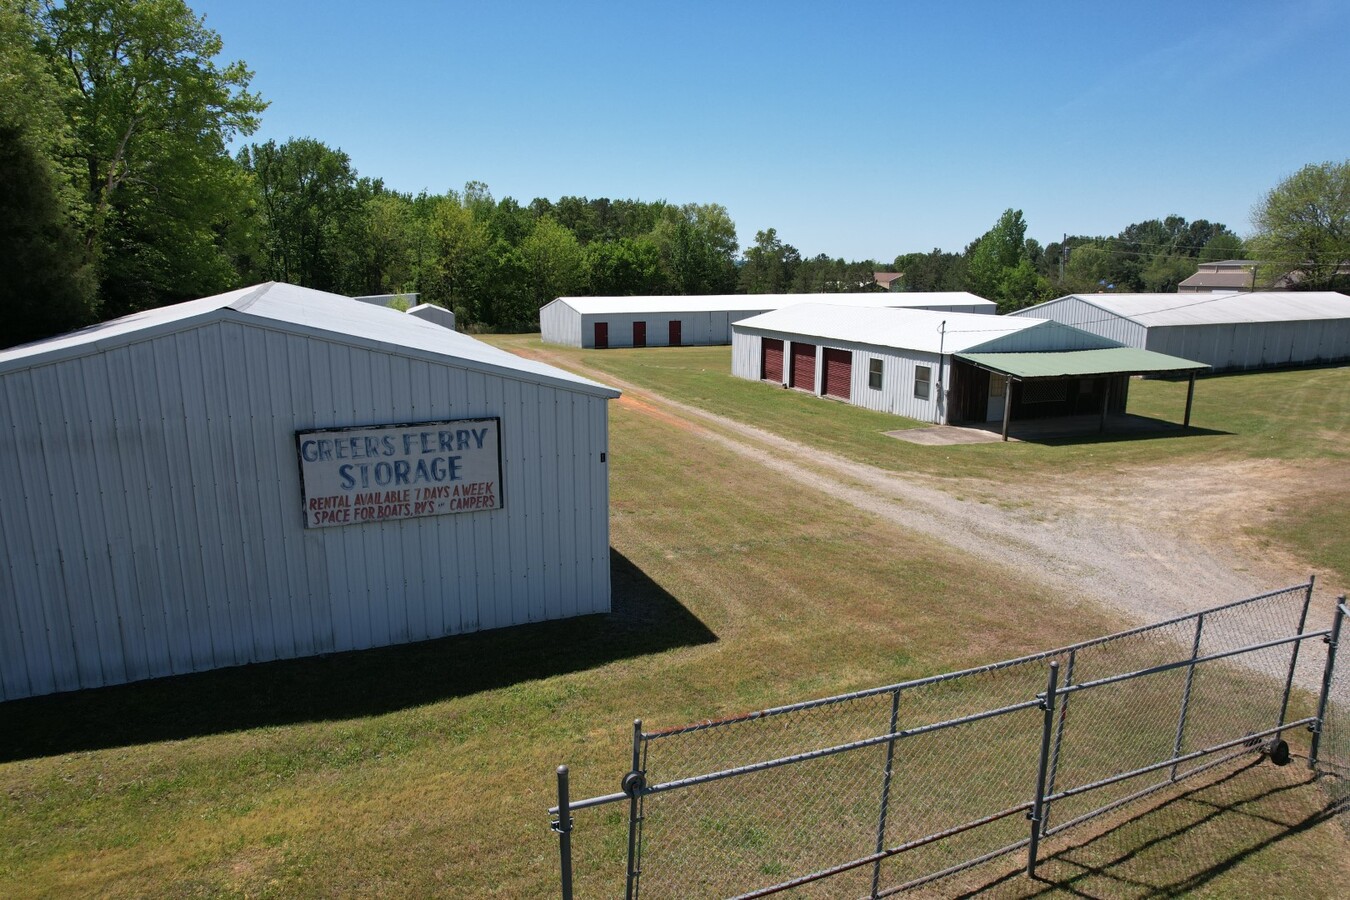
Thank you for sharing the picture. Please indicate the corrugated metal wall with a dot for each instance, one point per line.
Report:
(561, 324)
(1079, 314)
(697, 328)
(897, 382)
(1256, 345)
(151, 510)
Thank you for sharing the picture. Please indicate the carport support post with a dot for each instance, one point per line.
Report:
(1190, 395)
(1106, 401)
(1007, 403)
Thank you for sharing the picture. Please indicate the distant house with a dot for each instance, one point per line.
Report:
(1227, 275)
(889, 281)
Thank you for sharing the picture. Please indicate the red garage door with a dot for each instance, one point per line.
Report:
(601, 335)
(803, 366)
(675, 336)
(639, 334)
(771, 360)
(838, 372)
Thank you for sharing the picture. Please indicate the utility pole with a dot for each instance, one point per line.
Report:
(1063, 252)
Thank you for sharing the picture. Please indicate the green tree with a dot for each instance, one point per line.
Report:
(1303, 225)
(1223, 246)
(698, 248)
(309, 199)
(770, 265)
(556, 263)
(626, 267)
(151, 113)
(47, 284)
(931, 271)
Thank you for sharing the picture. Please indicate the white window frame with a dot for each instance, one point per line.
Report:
(876, 371)
(923, 386)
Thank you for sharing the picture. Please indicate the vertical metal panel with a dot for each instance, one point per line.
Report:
(1082, 314)
(559, 323)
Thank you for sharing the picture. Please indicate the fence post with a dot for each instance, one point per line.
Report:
(1038, 805)
(1333, 641)
(1186, 694)
(633, 784)
(886, 790)
(564, 828)
(1293, 658)
(1059, 741)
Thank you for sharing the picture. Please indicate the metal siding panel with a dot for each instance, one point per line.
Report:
(513, 405)
(600, 552)
(257, 433)
(114, 506)
(529, 500)
(69, 551)
(211, 441)
(479, 525)
(243, 474)
(495, 523)
(305, 379)
(421, 566)
(24, 531)
(279, 496)
(564, 506)
(331, 383)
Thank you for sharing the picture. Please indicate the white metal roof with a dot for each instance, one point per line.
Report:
(1221, 309)
(304, 311)
(762, 302)
(911, 329)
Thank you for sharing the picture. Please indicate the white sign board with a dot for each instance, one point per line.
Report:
(350, 476)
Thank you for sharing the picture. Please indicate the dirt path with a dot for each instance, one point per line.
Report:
(1149, 544)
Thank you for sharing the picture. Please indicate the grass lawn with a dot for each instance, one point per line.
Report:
(426, 770)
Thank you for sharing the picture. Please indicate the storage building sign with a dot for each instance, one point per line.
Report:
(355, 475)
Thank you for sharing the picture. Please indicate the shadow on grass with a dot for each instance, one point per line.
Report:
(1119, 861)
(645, 619)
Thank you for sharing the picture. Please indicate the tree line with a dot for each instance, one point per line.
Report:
(120, 191)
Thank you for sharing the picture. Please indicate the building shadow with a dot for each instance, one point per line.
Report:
(645, 619)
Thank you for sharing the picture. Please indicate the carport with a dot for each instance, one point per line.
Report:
(1061, 379)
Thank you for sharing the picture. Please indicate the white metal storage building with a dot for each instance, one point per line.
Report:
(1229, 331)
(433, 313)
(940, 367)
(603, 322)
(277, 472)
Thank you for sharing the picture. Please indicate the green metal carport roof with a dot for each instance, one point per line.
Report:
(1078, 363)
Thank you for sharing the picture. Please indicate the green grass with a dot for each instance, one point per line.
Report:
(426, 770)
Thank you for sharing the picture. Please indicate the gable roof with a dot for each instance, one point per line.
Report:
(308, 312)
(1152, 310)
(925, 330)
(754, 303)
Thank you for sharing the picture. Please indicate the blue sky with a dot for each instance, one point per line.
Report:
(856, 129)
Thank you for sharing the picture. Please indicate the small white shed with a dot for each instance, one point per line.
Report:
(278, 472)
(604, 322)
(1261, 330)
(940, 367)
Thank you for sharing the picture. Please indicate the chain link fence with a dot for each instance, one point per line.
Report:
(875, 792)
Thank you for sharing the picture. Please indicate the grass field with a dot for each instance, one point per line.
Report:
(426, 770)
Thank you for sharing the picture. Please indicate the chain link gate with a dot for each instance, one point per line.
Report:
(875, 792)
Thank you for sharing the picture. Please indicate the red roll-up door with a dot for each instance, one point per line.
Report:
(674, 333)
(639, 334)
(803, 366)
(838, 372)
(771, 360)
(601, 335)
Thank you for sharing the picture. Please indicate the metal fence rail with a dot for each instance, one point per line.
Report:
(875, 792)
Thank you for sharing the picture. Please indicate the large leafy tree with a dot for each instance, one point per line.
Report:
(46, 282)
(151, 112)
(770, 265)
(311, 203)
(1303, 225)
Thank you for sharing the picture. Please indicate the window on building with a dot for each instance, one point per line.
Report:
(923, 381)
(874, 374)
